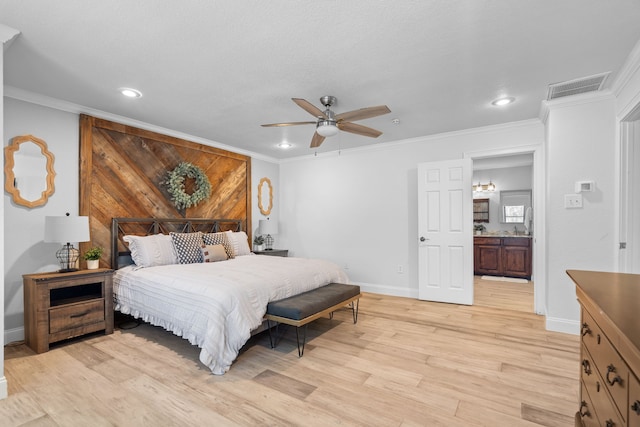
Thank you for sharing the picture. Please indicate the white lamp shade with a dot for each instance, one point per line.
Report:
(66, 229)
(327, 128)
(268, 227)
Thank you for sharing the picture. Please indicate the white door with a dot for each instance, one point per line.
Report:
(445, 227)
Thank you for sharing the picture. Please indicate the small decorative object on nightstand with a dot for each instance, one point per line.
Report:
(58, 306)
(273, 252)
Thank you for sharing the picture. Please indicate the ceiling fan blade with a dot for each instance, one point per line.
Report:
(363, 113)
(309, 107)
(316, 140)
(359, 129)
(288, 124)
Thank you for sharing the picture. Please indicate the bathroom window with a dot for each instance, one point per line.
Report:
(514, 214)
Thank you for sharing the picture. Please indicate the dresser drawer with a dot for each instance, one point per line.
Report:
(613, 371)
(587, 412)
(634, 402)
(76, 315)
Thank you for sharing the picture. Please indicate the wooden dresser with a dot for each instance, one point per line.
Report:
(610, 349)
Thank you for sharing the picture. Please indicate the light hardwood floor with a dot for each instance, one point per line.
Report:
(405, 363)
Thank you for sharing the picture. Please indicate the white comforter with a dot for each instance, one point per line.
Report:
(217, 305)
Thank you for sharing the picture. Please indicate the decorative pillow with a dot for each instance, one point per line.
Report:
(213, 253)
(187, 246)
(219, 239)
(240, 243)
(148, 251)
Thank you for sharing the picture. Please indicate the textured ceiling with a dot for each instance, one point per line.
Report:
(219, 69)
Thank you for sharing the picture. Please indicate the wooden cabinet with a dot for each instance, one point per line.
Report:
(610, 348)
(502, 256)
(58, 306)
(273, 252)
(480, 210)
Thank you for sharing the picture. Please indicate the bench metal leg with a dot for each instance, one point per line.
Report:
(304, 339)
(354, 309)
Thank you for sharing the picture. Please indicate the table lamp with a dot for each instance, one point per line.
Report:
(268, 227)
(66, 229)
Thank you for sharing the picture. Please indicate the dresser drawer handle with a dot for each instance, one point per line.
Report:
(610, 423)
(616, 379)
(585, 329)
(598, 338)
(584, 409)
(636, 407)
(84, 313)
(586, 367)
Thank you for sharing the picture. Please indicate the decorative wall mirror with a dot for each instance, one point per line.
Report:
(265, 196)
(28, 171)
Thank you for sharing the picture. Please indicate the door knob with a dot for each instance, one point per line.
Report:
(422, 239)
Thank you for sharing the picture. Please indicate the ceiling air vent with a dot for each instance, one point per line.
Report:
(577, 86)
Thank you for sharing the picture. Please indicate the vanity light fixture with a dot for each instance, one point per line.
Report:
(130, 93)
(501, 102)
(490, 187)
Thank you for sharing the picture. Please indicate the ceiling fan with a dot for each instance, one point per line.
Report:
(328, 123)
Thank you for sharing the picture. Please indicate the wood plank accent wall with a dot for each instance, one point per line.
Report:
(122, 167)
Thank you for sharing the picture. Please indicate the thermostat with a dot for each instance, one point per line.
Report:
(584, 186)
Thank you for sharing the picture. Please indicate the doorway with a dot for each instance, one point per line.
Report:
(629, 202)
(534, 156)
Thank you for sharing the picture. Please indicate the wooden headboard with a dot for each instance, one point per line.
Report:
(122, 174)
(121, 227)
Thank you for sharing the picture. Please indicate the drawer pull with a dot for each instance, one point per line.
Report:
(586, 367)
(610, 423)
(84, 313)
(616, 379)
(636, 407)
(584, 409)
(585, 329)
(598, 338)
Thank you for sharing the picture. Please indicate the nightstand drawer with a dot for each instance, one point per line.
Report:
(76, 315)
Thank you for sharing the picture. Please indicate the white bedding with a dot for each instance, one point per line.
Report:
(216, 305)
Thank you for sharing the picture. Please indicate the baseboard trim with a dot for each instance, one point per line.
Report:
(562, 325)
(3, 388)
(13, 335)
(387, 290)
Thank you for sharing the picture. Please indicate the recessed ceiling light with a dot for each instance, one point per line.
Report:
(130, 93)
(501, 102)
(284, 145)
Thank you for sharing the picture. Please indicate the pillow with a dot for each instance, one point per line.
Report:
(240, 243)
(187, 246)
(148, 251)
(213, 253)
(219, 239)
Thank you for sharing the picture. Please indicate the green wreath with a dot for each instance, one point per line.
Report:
(175, 185)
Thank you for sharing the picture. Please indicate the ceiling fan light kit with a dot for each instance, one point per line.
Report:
(328, 123)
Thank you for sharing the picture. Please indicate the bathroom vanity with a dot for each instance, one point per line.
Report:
(508, 256)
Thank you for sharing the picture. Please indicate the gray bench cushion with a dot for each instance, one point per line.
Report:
(311, 302)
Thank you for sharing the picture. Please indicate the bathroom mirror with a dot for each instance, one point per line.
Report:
(265, 196)
(28, 171)
(513, 206)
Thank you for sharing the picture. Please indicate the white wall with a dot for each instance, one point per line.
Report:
(505, 179)
(24, 227)
(359, 208)
(580, 146)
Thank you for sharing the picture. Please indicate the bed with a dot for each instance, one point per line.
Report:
(214, 305)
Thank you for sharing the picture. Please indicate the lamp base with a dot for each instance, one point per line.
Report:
(68, 257)
(268, 243)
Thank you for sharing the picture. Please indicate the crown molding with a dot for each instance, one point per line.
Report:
(572, 101)
(420, 140)
(70, 107)
(628, 70)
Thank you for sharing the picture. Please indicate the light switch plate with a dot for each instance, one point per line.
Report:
(572, 201)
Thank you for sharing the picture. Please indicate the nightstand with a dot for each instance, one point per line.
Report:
(274, 252)
(58, 306)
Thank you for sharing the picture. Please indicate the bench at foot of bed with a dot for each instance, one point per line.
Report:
(306, 307)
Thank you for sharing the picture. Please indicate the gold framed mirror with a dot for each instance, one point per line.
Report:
(265, 193)
(28, 171)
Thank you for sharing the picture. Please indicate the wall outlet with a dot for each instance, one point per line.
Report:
(400, 269)
(572, 201)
